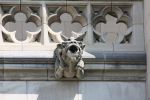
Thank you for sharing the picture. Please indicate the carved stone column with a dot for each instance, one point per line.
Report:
(44, 37)
(147, 42)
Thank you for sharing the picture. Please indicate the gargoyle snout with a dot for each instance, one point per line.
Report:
(73, 48)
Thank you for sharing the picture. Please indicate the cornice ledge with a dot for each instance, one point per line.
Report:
(47, 57)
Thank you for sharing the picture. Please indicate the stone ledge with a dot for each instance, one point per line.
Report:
(71, 2)
(90, 75)
(96, 72)
(47, 57)
(121, 66)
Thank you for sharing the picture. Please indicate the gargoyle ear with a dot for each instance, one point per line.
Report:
(83, 46)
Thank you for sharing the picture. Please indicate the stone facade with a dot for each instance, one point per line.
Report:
(114, 56)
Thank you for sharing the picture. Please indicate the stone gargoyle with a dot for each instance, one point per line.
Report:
(69, 61)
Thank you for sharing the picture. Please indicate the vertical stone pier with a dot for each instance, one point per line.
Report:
(147, 42)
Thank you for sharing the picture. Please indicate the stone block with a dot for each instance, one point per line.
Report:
(124, 57)
(93, 75)
(138, 35)
(25, 72)
(112, 90)
(10, 47)
(94, 66)
(129, 47)
(38, 47)
(116, 75)
(1, 71)
(124, 67)
(85, 90)
(13, 90)
(51, 71)
(137, 13)
(100, 47)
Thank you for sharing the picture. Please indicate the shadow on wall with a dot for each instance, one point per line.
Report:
(39, 90)
(71, 90)
(59, 91)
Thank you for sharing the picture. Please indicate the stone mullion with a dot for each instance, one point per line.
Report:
(89, 24)
(147, 42)
(44, 32)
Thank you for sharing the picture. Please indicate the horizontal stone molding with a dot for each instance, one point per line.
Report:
(124, 66)
(47, 57)
(72, 2)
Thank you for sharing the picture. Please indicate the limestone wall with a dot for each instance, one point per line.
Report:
(115, 59)
(72, 90)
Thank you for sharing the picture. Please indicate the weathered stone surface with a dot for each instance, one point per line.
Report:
(96, 64)
(137, 41)
(39, 90)
(122, 62)
(138, 18)
(147, 38)
(13, 90)
(25, 72)
(112, 90)
(53, 90)
(2, 71)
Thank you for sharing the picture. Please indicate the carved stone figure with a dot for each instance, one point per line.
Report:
(69, 61)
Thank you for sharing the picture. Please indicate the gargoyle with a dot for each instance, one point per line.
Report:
(69, 61)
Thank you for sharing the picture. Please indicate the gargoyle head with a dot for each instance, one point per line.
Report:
(72, 47)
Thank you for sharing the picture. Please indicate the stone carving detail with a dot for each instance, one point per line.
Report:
(119, 17)
(55, 17)
(31, 17)
(69, 61)
(45, 24)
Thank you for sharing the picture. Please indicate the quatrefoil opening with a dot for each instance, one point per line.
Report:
(120, 18)
(76, 18)
(30, 17)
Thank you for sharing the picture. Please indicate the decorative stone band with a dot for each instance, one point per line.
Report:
(91, 21)
(28, 65)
